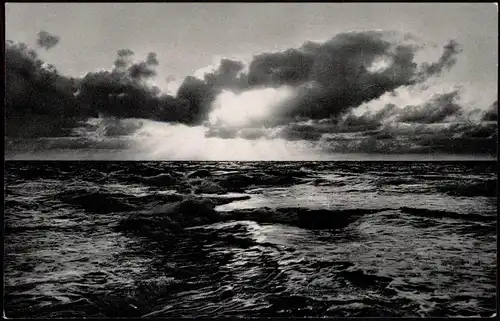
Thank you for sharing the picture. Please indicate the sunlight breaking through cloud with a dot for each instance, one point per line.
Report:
(238, 109)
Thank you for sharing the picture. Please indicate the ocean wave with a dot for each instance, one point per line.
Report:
(428, 213)
(301, 217)
(174, 217)
(101, 201)
(486, 188)
(163, 221)
(148, 239)
(189, 211)
(97, 202)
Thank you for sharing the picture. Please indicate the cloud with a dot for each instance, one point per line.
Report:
(159, 141)
(295, 132)
(307, 98)
(100, 128)
(460, 145)
(332, 77)
(447, 60)
(198, 96)
(290, 67)
(325, 80)
(124, 92)
(140, 71)
(338, 71)
(201, 90)
(430, 126)
(240, 109)
(436, 110)
(417, 139)
(328, 78)
(41, 102)
(172, 87)
(392, 129)
(227, 75)
(253, 133)
(123, 59)
(151, 59)
(46, 40)
(455, 138)
(492, 113)
(222, 132)
(38, 100)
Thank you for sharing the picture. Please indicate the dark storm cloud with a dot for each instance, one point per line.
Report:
(329, 77)
(118, 95)
(358, 123)
(141, 70)
(125, 53)
(300, 132)
(329, 80)
(138, 71)
(315, 130)
(46, 40)
(38, 101)
(339, 69)
(447, 60)
(436, 110)
(151, 59)
(41, 102)
(123, 58)
(411, 129)
(273, 69)
(369, 144)
(458, 138)
(227, 75)
(62, 144)
(123, 92)
(492, 113)
(439, 108)
(389, 122)
(481, 130)
(368, 123)
(332, 77)
(460, 145)
(198, 96)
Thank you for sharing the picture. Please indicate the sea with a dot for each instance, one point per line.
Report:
(250, 239)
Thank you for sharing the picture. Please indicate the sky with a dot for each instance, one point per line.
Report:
(191, 39)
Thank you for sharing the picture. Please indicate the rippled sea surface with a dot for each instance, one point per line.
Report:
(168, 239)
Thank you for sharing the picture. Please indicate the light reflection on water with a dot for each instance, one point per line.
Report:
(320, 197)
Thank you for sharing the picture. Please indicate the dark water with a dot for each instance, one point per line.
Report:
(97, 239)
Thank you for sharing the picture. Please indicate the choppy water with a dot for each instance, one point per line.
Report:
(304, 239)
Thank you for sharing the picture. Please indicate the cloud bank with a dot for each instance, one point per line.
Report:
(345, 95)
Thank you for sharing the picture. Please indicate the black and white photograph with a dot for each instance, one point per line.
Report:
(250, 160)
